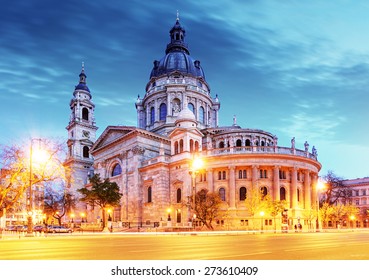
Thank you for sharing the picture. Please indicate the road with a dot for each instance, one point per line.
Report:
(223, 246)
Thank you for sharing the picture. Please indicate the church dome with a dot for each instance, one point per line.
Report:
(177, 57)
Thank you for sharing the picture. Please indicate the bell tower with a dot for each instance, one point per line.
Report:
(81, 134)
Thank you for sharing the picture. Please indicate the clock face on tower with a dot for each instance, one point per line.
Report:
(86, 133)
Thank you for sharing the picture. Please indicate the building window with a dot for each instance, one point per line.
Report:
(248, 142)
(202, 115)
(357, 202)
(224, 175)
(163, 112)
(85, 114)
(242, 174)
(221, 145)
(196, 146)
(222, 194)
(176, 147)
(263, 191)
(179, 195)
(86, 152)
(152, 115)
(282, 193)
(243, 193)
(282, 174)
(117, 170)
(181, 145)
(364, 192)
(191, 146)
(238, 143)
(149, 194)
(263, 173)
(191, 107)
(298, 195)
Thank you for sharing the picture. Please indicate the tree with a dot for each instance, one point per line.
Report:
(276, 207)
(335, 189)
(101, 193)
(207, 205)
(256, 202)
(17, 174)
(58, 203)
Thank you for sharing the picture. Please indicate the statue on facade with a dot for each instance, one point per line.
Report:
(314, 151)
(293, 143)
(306, 146)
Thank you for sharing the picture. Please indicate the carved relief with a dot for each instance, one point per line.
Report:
(137, 150)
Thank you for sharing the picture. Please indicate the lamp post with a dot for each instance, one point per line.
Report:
(320, 186)
(30, 193)
(196, 166)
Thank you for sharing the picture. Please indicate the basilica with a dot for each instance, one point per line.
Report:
(177, 124)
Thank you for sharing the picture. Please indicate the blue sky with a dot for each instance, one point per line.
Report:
(293, 68)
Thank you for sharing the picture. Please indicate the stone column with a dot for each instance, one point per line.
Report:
(210, 179)
(276, 186)
(313, 187)
(254, 175)
(307, 189)
(232, 187)
(294, 202)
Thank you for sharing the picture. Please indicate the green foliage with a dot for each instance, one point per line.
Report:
(102, 193)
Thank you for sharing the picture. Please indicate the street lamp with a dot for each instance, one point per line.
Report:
(319, 186)
(352, 218)
(82, 217)
(262, 215)
(196, 166)
(168, 211)
(40, 156)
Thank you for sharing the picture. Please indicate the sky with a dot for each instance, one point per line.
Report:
(292, 68)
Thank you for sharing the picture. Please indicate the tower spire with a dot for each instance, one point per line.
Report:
(177, 16)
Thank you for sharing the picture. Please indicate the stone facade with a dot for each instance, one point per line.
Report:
(178, 121)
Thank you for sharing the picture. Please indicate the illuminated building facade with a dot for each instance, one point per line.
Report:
(178, 120)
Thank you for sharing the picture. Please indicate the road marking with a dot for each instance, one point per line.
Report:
(240, 255)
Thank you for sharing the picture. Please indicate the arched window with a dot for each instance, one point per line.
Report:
(179, 195)
(202, 115)
(85, 114)
(220, 175)
(240, 174)
(181, 145)
(149, 194)
(196, 146)
(152, 115)
(224, 175)
(244, 174)
(262, 143)
(191, 107)
(117, 170)
(238, 143)
(163, 111)
(248, 142)
(86, 152)
(191, 146)
(282, 193)
(243, 193)
(176, 147)
(264, 191)
(222, 194)
(298, 195)
(221, 145)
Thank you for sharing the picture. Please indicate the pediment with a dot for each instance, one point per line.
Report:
(112, 134)
(180, 131)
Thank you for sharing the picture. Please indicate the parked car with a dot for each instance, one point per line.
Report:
(59, 229)
(39, 228)
(22, 228)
